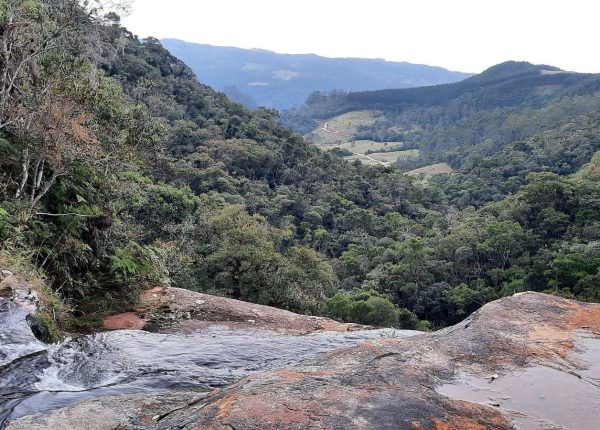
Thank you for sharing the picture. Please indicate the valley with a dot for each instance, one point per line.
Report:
(342, 132)
(417, 250)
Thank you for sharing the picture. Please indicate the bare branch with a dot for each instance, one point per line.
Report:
(65, 214)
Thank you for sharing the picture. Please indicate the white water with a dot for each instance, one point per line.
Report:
(126, 361)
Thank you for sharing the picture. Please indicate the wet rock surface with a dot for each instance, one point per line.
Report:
(39, 383)
(19, 291)
(113, 412)
(392, 383)
(498, 369)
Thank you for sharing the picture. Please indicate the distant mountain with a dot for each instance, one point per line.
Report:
(507, 84)
(265, 78)
(237, 95)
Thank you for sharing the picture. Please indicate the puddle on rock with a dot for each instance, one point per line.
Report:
(540, 397)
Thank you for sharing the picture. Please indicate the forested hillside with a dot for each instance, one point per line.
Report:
(256, 77)
(120, 171)
(493, 129)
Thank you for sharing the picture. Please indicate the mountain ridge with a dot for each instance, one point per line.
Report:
(285, 80)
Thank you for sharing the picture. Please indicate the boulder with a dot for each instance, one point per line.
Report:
(20, 291)
(169, 310)
(124, 321)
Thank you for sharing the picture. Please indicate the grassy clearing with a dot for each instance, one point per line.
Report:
(363, 146)
(340, 132)
(348, 123)
(342, 128)
(382, 158)
(391, 157)
(364, 160)
(433, 169)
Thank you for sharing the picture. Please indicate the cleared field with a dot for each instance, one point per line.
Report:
(342, 128)
(363, 159)
(391, 157)
(340, 132)
(348, 123)
(363, 146)
(433, 169)
(382, 158)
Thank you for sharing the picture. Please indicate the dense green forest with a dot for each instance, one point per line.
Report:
(120, 171)
(493, 128)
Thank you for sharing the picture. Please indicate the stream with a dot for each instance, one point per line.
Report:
(37, 378)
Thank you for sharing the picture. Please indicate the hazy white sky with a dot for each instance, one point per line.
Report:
(465, 35)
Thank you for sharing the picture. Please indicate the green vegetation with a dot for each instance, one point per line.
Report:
(492, 129)
(372, 308)
(119, 171)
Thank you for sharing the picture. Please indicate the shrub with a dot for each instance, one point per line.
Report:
(371, 308)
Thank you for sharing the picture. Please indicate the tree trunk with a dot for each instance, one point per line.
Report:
(44, 191)
(4, 67)
(25, 166)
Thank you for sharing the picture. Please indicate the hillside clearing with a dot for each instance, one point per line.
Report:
(433, 169)
(342, 128)
(363, 146)
(340, 133)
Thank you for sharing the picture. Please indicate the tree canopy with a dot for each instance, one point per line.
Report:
(120, 171)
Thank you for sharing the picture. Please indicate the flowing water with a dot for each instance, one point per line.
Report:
(37, 378)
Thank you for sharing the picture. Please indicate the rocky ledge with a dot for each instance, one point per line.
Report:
(175, 310)
(529, 361)
(20, 291)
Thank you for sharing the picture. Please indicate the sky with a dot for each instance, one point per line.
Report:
(462, 35)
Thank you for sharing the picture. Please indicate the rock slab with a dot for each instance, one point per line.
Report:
(389, 383)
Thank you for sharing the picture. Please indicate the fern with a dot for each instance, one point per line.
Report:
(123, 266)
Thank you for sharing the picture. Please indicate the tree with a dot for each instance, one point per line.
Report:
(504, 240)
(57, 141)
(32, 30)
(467, 299)
(45, 87)
(304, 280)
(588, 288)
(567, 270)
(242, 257)
(552, 223)
(368, 307)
